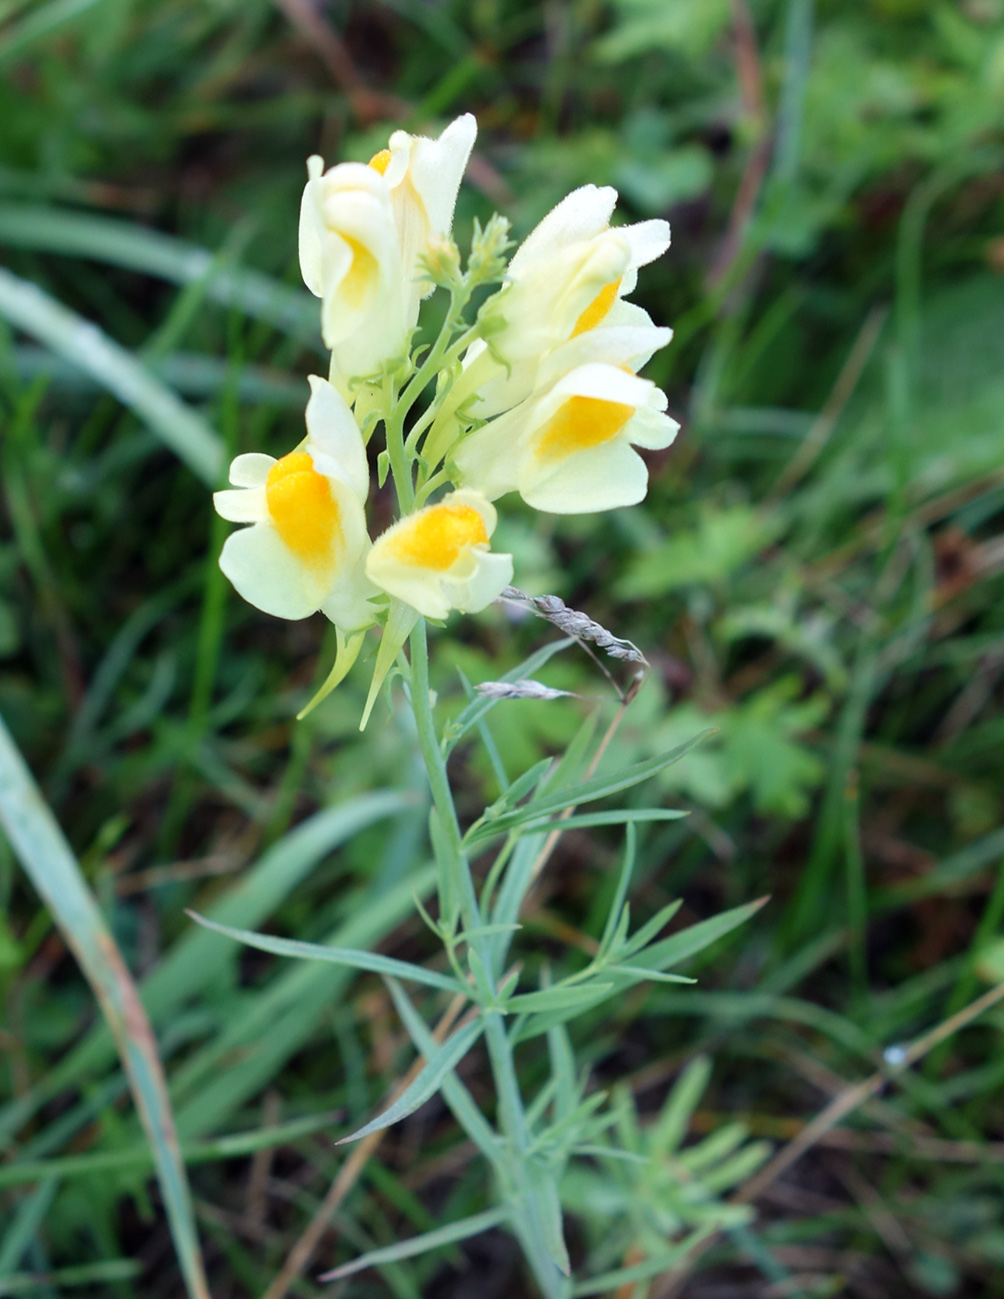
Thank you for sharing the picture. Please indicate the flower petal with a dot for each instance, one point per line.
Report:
(269, 576)
(647, 240)
(491, 575)
(334, 438)
(348, 606)
(485, 459)
(311, 233)
(604, 477)
(651, 428)
(580, 215)
(242, 505)
(436, 169)
(250, 469)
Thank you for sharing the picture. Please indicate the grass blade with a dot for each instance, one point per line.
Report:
(78, 340)
(197, 958)
(124, 243)
(23, 1226)
(66, 1278)
(50, 864)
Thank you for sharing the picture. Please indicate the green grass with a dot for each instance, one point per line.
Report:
(817, 573)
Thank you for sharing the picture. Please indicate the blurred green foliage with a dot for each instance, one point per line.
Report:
(818, 573)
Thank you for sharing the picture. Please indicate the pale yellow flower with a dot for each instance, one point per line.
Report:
(306, 545)
(564, 290)
(364, 229)
(438, 558)
(570, 448)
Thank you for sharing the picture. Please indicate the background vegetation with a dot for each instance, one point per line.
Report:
(817, 573)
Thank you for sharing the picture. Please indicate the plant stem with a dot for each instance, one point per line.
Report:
(515, 1172)
(399, 465)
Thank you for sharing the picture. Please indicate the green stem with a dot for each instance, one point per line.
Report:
(461, 885)
(400, 467)
(512, 1115)
(441, 354)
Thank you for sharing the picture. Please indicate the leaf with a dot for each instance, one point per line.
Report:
(546, 1213)
(618, 911)
(359, 960)
(482, 831)
(346, 652)
(49, 862)
(400, 620)
(426, 1084)
(137, 247)
(599, 787)
(690, 941)
(197, 958)
(671, 1126)
(456, 1095)
(638, 975)
(558, 998)
(649, 929)
(609, 1282)
(453, 1231)
(78, 340)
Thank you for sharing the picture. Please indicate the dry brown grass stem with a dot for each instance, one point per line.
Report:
(850, 1099)
(303, 1251)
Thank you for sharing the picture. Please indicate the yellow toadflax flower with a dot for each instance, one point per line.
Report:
(424, 178)
(350, 258)
(305, 548)
(568, 450)
(565, 283)
(438, 559)
(364, 229)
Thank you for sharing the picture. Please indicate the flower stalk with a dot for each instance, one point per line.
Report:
(538, 396)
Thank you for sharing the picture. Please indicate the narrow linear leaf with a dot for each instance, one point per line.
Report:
(453, 1231)
(620, 816)
(370, 961)
(622, 1276)
(491, 828)
(24, 1225)
(50, 864)
(65, 1278)
(233, 1146)
(618, 918)
(488, 931)
(642, 937)
(547, 1213)
(671, 1126)
(456, 1095)
(426, 1084)
(78, 340)
(639, 974)
(688, 942)
(557, 998)
(599, 787)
